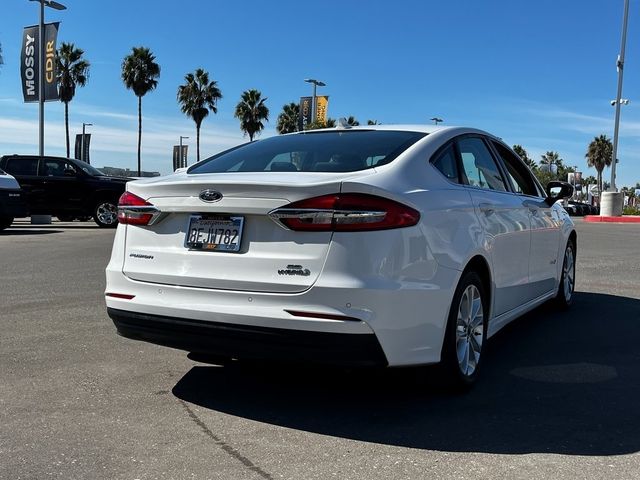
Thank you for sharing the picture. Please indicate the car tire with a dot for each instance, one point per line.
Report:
(566, 290)
(105, 214)
(466, 333)
(5, 222)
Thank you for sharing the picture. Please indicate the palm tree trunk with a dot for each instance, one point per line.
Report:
(600, 181)
(198, 140)
(66, 124)
(139, 134)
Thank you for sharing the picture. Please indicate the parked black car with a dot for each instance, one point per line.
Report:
(66, 188)
(581, 208)
(11, 200)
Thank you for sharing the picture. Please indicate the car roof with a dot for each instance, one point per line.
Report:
(449, 130)
(32, 155)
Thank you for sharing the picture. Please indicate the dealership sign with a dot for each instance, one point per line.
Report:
(29, 64)
(306, 108)
(321, 109)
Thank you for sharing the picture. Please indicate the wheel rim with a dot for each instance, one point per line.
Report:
(569, 273)
(107, 213)
(469, 330)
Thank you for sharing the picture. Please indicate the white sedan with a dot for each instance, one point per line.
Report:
(365, 246)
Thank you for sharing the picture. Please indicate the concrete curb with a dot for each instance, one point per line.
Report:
(609, 219)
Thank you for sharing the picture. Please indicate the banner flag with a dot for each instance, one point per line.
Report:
(180, 161)
(306, 112)
(80, 145)
(321, 108)
(29, 68)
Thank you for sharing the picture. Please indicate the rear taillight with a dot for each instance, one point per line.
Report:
(133, 210)
(346, 212)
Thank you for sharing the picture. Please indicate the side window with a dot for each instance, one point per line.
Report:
(22, 166)
(446, 162)
(519, 173)
(52, 168)
(70, 169)
(479, 166)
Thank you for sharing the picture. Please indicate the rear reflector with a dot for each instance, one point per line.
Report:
(346, 212)
(133, 210)
(325, 316)
(124, 296)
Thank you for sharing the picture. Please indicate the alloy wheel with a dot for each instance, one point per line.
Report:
(107, 213)
(469, 330)
(569, 273)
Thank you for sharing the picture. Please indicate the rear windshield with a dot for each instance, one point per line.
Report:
(332, 151)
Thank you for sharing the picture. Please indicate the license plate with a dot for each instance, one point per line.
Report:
(217, 234)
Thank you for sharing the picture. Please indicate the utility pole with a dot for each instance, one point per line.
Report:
(620, 65)
(41, 75)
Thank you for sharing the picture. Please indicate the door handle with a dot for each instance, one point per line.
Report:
(487, 208)
(534, 211)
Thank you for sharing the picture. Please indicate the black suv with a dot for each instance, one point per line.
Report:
(66, 188)
(11, 200)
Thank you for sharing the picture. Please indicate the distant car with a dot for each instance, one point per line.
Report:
(12, 203)
(66, 188)
(569, 208)
(581, 208)
(379, 245)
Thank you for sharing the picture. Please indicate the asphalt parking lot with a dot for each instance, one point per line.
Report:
(558, 398)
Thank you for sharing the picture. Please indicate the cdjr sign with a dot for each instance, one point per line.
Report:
(29, 65)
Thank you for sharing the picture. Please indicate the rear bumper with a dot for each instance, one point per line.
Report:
(250, 342)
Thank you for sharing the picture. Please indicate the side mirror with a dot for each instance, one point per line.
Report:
(557, 190)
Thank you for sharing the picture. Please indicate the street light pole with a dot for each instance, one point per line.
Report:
(181, 156)
(82, 157)
(620, 65)
(41, 81)
(314, 103)
(41, 75)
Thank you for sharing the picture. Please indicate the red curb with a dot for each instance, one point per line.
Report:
(603, 219)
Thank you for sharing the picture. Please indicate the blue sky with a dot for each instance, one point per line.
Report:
(540, 73)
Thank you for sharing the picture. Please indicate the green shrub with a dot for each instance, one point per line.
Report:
(628, 210)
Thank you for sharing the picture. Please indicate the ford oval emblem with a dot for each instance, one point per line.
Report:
(210, 195)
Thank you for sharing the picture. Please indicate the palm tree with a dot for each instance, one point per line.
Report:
(351, 121)
(551, 158)
(288, 118)
(372, 122)
(251, 111)
(328, 123)
(71, 71)
(140, 73)
(599, 155)
(590, 180)
(522, 153)
(197, 97)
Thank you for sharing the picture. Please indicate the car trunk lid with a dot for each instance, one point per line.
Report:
(269, 258)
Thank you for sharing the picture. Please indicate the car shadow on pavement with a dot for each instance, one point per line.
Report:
(553, 382)
(14, 232)
(79, 226)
